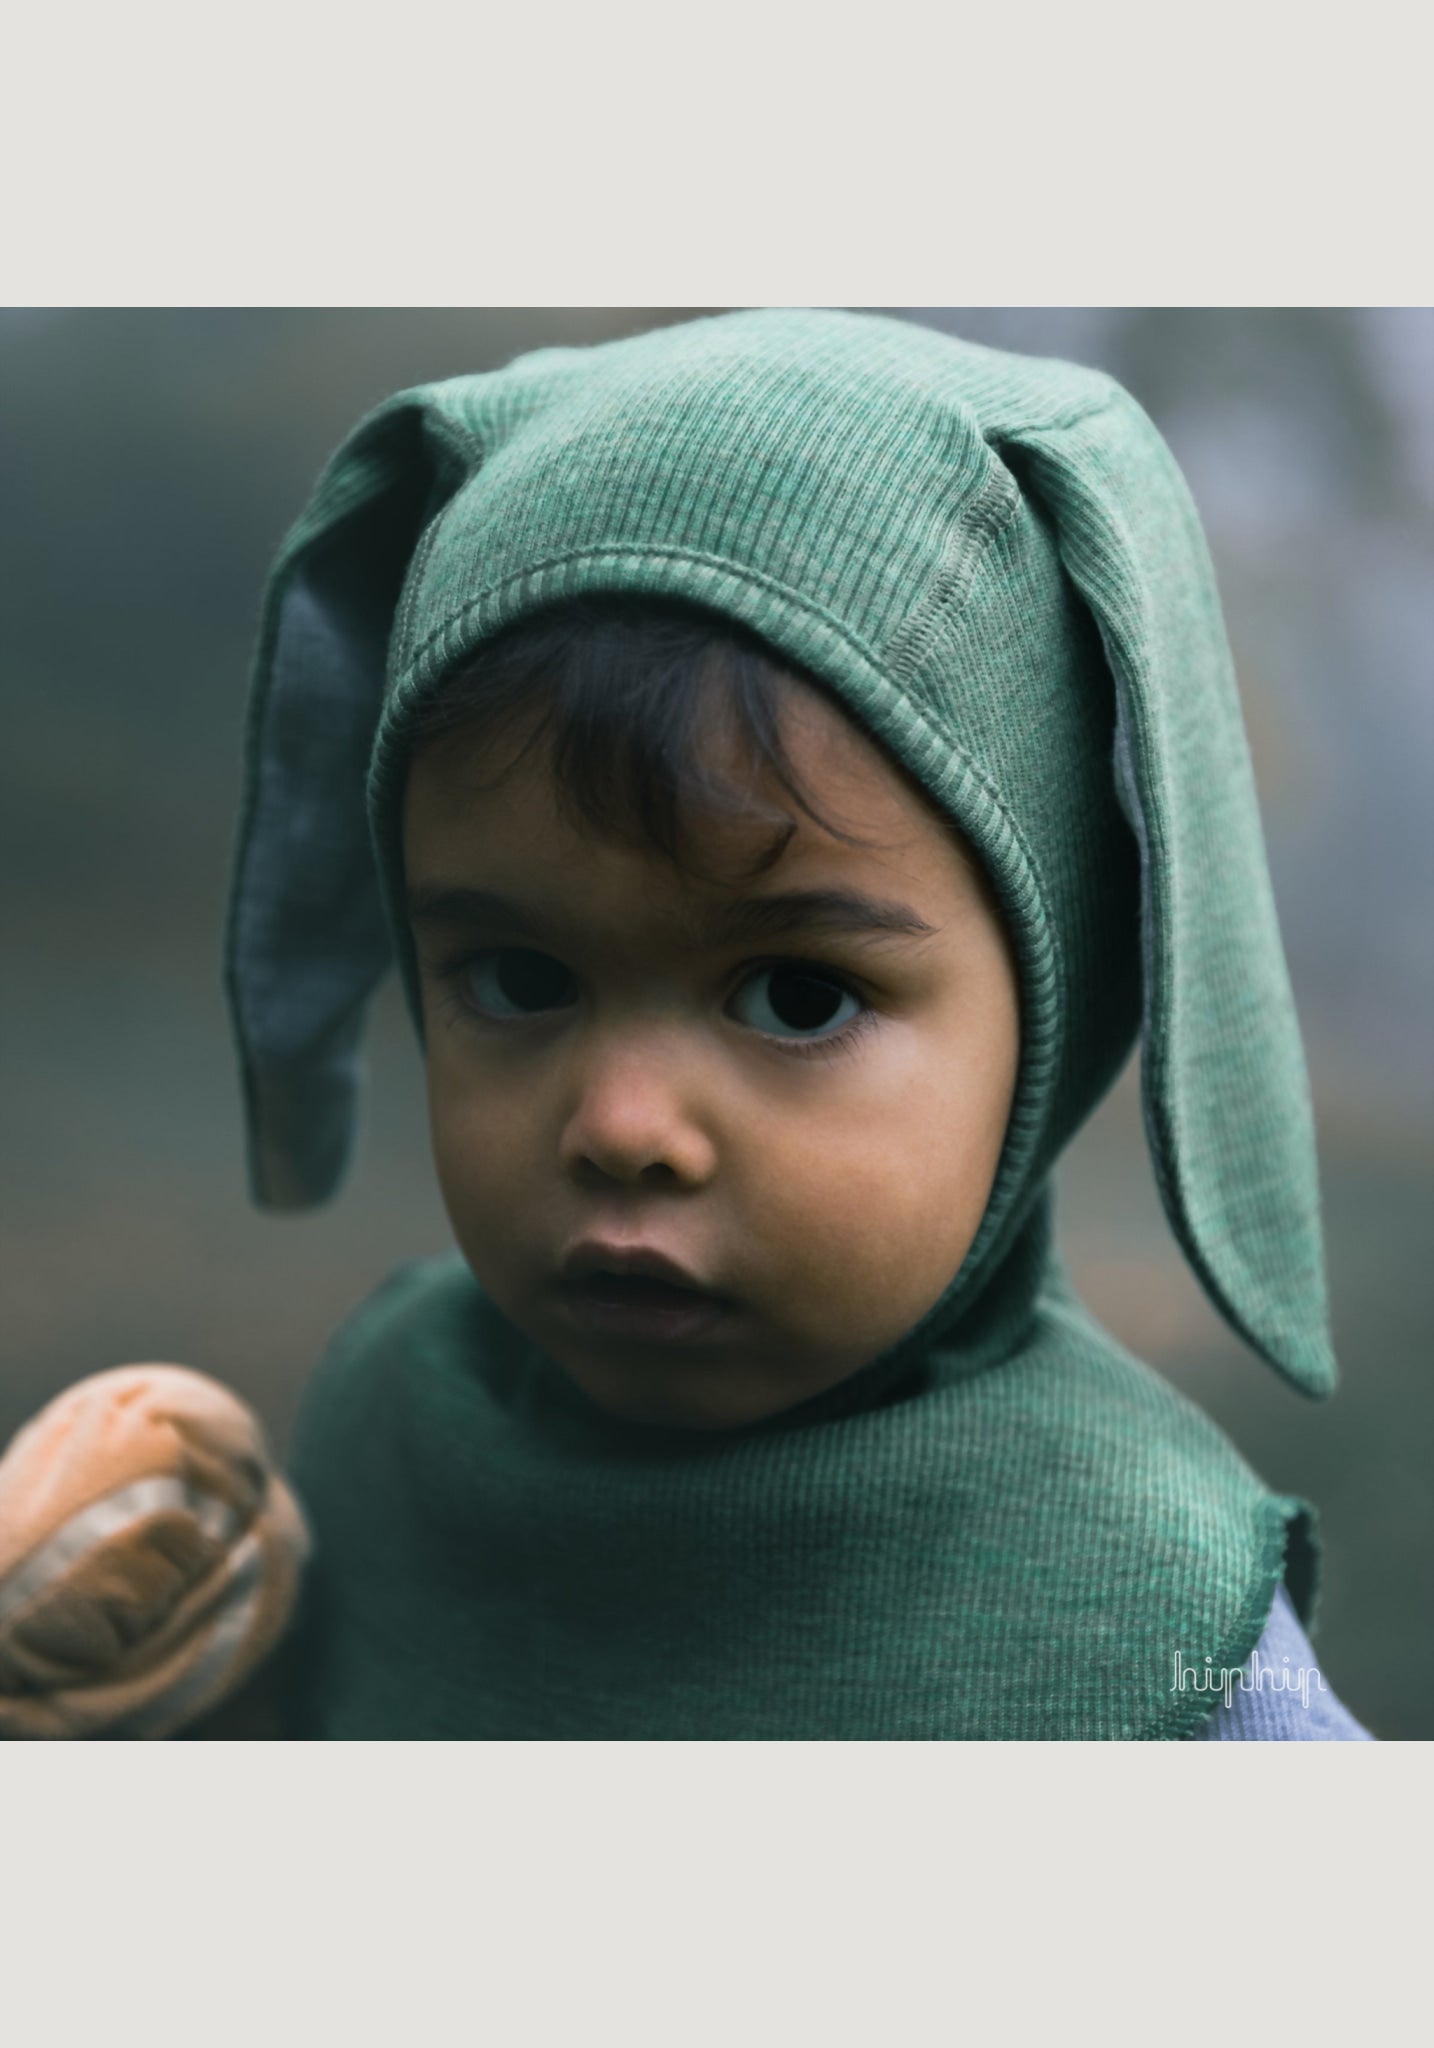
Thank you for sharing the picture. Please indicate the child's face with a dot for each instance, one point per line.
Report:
(800, 1109)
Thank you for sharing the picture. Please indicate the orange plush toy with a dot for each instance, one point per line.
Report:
(150, 1555)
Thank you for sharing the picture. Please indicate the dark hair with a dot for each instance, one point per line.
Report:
(625, 689)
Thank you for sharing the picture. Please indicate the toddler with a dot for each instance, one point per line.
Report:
(789, 756)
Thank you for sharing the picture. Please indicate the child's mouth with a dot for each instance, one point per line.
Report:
(636, 1305)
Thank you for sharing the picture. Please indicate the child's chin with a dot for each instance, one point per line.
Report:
(676, 1396)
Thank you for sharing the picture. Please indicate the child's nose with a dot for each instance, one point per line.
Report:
(637, 1118)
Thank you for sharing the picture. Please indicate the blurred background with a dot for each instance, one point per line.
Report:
(149, 464)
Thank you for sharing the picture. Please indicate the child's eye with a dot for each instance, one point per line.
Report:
(513, 981)
(795, 1002)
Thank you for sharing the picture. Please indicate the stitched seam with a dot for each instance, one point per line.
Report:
(636, 552)
(1190, 1711)
(954, 581)
(463, 453)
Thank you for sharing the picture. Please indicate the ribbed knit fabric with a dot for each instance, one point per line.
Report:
(1004, 1527)
(1014, 1556)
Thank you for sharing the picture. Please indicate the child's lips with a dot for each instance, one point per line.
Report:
(636, 1292)
(631, 1305)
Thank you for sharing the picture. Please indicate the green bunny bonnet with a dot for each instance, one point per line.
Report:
(1005, 1527)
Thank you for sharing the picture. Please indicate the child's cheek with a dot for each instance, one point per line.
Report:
(870, 1255)
(483, 1150)
(867, 1220)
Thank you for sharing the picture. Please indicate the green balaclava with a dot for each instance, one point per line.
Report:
(1005, 1527)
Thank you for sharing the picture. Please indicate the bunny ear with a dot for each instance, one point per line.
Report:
(306, 939)
(1227, 1109)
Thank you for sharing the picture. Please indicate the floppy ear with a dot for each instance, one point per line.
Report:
(1226, 1097)
(306, 939)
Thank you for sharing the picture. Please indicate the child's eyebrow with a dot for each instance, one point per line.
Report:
(830, 910)
(753, 917)
(432, 903)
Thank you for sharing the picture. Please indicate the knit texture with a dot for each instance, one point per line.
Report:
(1003, 1526)
(1014, 1556)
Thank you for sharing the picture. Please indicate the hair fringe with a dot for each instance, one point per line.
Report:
(624, 690)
